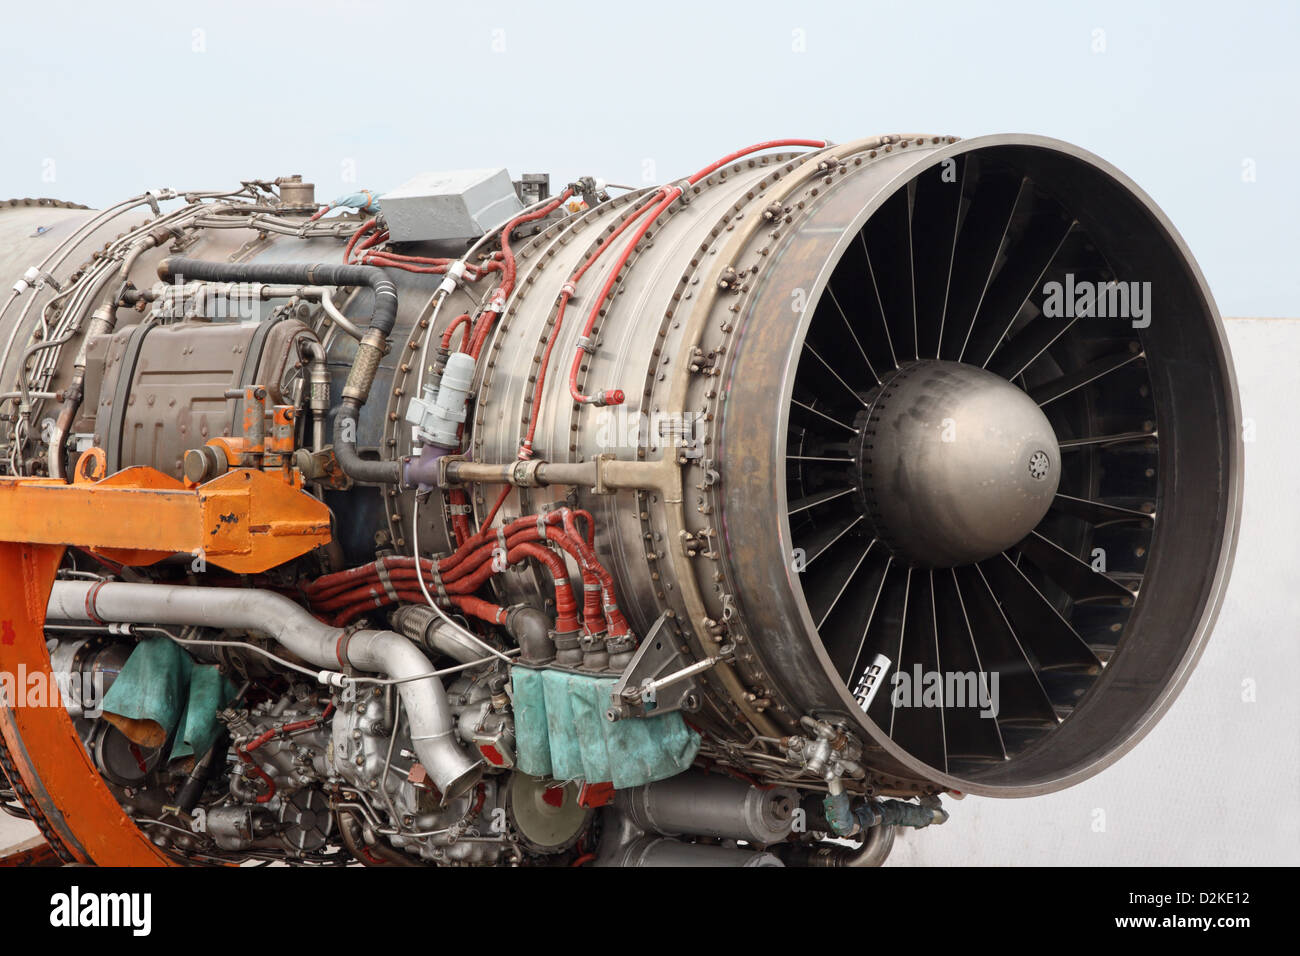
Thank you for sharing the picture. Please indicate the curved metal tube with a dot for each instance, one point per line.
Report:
(425, 700)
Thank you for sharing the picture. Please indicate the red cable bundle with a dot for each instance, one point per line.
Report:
(349, 594)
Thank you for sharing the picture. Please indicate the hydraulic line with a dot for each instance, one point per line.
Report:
(370, 590)
(567, 292)
(462, 319)
(550, 519)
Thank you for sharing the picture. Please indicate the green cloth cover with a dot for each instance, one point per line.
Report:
(561, 732)
(161, 690)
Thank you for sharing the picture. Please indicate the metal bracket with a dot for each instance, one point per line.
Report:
(602, 487)
(443, 462)
(660, 679)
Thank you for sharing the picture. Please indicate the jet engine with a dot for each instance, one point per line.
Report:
(738, 520)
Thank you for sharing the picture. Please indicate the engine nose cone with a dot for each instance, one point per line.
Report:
(956, 463)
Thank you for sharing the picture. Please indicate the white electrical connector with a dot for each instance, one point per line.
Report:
(438, 412)
(454, 272)
(29, 279)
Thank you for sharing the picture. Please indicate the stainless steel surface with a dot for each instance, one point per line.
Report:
(955, 464)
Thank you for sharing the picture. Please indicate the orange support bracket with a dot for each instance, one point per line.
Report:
(245, 521)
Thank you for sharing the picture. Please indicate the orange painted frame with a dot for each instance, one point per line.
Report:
(79, 808)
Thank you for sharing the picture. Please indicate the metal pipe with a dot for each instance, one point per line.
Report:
(382, 318)
(337, 317)
(877, 843)
(606, 474)
(102, 322)
(425, 699)
(318, 380)
(709, 804)
(422, 625)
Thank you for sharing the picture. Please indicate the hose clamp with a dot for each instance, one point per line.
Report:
(341, 651)
(381, 572)
(441, 588)
(523, 473)
(91, 596)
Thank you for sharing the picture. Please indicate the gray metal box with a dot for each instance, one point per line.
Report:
(452, 204)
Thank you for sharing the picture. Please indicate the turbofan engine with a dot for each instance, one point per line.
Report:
(734, 521)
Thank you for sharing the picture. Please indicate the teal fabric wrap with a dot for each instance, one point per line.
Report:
(210, 690)
(561, 732)
(161, 683)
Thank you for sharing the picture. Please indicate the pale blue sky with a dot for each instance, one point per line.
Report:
(110, 98)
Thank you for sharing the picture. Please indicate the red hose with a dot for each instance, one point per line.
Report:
(484, 610)
(616, 624)
(329, 582)
(459, 521)
(282, 731)
(566, 293)
(469, 576)
(507, 284)
(462, 319)
(262, 774)
(669, 195)
(614, 396)
(365, 228)
(757, 147)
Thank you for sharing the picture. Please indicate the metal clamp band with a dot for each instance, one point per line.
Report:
(381, 572)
